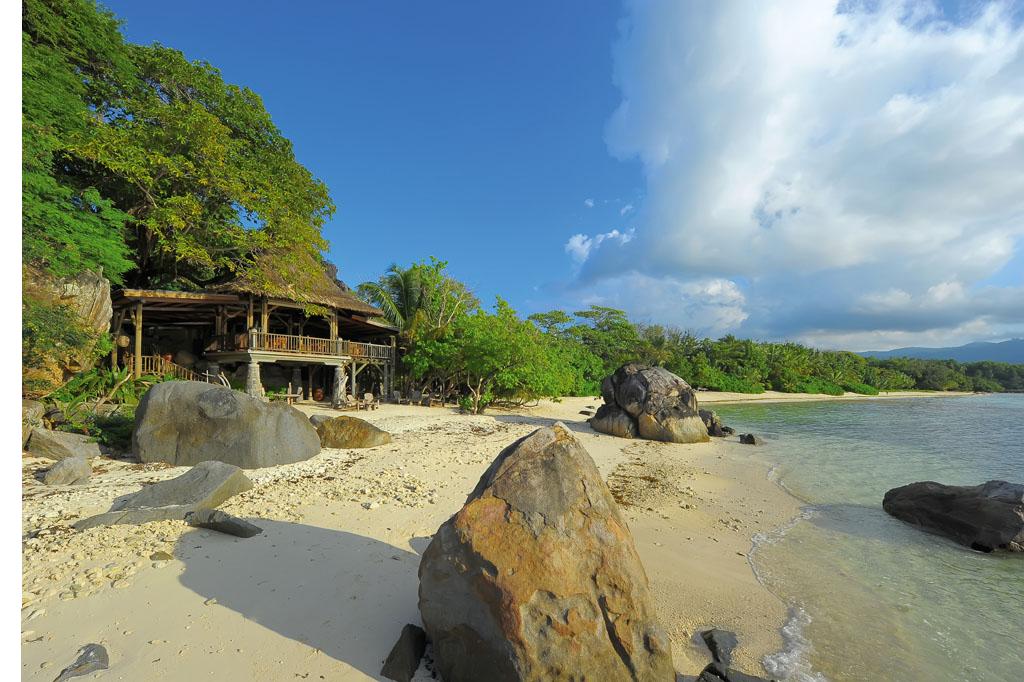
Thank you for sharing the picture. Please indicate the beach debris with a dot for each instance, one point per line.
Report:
(751, 439)
(91, 657)
(717, 672)
(61, 445)
(222, 522)
(587, 413)
(984, 517)
(350, 432)
(404, 659)
(660, 405)
(68, 471)
(206, 485)
(160, 556)
(721, 643)
(538, 574)
(188, 422)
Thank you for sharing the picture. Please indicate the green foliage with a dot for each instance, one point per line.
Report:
(863, 389)
(147, 165)
(49, 333)
(115, 386)
(817, 385)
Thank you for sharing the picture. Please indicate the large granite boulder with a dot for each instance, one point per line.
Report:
(350, 432)
(614, 420)
(61, 445)
(983, 517)
(204, 486)
(188, 422)
(537, 577)
(662, 405)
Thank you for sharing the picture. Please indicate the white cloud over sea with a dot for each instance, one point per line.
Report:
(840, 173)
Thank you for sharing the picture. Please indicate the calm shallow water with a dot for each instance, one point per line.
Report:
(871, 597)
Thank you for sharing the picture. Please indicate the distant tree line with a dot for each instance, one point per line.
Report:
(449, 342)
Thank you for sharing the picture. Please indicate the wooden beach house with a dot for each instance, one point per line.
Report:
(261, 331)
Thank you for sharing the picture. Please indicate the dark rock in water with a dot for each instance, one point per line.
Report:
(537, 576)
(712, 422)
(404, 659)
(188, 422)
(222, 522)
(728, 430)
(716, 672)
(983, 517)
(207, 484)
(614, 421)
(351, 432)
(61, 445)
(751, 439)
(68, 471)
(721, 643)
(91, 657)
(662, 406)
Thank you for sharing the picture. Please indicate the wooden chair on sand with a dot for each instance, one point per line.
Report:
(370, 401)
(396, 397)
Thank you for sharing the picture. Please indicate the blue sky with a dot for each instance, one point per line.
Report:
(846, 174)
(468, 131)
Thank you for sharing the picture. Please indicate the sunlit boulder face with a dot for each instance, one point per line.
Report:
(660, 404)
(537, 577)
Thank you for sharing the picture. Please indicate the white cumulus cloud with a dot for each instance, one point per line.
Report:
(829, 156)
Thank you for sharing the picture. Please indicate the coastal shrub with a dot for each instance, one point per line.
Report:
(862, 389)
(816, 385)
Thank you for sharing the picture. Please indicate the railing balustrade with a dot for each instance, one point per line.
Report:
(310, 345)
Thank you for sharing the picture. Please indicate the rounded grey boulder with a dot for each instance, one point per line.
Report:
(188, 422)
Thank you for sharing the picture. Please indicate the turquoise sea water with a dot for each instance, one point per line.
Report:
(872, 598)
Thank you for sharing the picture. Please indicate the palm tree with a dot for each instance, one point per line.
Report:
(399, 295)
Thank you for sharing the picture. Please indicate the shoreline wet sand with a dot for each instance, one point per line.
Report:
(326, 589)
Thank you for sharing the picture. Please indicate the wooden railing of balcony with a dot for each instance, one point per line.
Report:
(311, 345)
(156, 365)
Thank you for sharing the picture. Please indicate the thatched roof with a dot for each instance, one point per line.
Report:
(301, 279)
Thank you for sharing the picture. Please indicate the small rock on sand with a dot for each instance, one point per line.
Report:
(222, 522)
(91, 657)
(68, 471)
(404, 659)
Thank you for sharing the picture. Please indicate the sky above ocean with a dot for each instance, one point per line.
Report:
(847, 175)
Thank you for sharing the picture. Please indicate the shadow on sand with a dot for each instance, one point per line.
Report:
(538, 422)
(344, 594)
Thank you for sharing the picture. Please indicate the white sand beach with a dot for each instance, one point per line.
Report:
(324, 592)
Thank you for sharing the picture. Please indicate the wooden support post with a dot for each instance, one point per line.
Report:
(264, 316)
(354, 372)
(249, 314)
(137, 370)
(116, 332)
(334, 326)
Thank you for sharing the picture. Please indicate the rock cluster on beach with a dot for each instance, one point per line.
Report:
(984, 517)
(537, 577)
(649, 402)
(187, 422)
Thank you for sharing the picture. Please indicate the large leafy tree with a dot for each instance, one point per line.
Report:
(150, 165)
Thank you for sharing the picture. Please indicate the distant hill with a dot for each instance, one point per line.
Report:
(1004, 351)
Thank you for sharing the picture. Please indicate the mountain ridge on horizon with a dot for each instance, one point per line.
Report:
(1011, 351)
